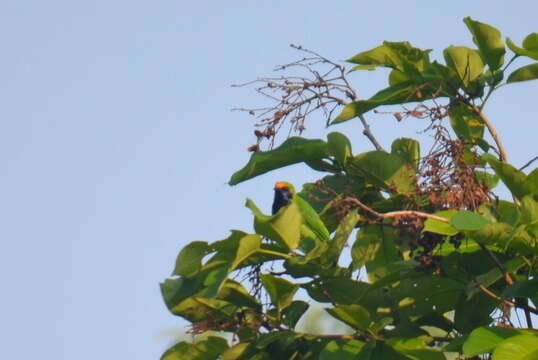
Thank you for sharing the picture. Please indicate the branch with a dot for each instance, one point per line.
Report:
(494, 296)
(501, 267)
(529, 163)
(502, 152)
(366, 132)
(393, 214)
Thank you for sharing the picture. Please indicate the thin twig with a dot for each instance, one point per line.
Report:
(501, 267)
(502, 152)
(529, 163)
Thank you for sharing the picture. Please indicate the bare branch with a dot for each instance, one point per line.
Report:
(393, 214)
(315, 84)
(529, 163)
(502, 152)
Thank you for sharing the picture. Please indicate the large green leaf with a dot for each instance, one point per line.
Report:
(521, 347)
(439, 227)
(408, 149)
(525, 73)
(427, 294)
(209, 349)
(189, 260)
(404, 92)
(389, 171)
(489, 42)
(292, 313)
(466, 123)
(280, 290)
(525, 288)
(474, 312)
(485, 339)
(416, 348)
(293, 150)
(513, 178)
(339, 240)
(284, 227)
(468, 220)
(375, 247)
(530, 47)
(532, 182)
(354, 315)
(196, 309)
(341, 350)
(465, 61)
(398, 55)
(339, 146)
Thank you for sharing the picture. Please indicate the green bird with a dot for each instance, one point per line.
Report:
(312, 224)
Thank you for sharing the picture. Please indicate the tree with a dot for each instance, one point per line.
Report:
(447, 262)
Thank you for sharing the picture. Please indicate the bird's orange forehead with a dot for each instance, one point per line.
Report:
(281, 185)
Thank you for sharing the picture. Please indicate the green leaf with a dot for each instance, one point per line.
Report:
(530, 50)
(532, 182)
(465, 62)
(529, 210)
(375, 247)
(323, 194)
(490, 180)
(292, 313)
(524, 288)
(489, 42)
(339, 146)
(405, 92)
(439, 227)
(531, 42)
(399, 55)
(474, 312)
(362, 67)
(513, 178)
(341, 350)
(339, 240)
(176, 290)
(389, 171)
(292, 151)
(196, 309)
(208, 349)
(408, 149)
(235, 352)
(466, 123)
(468, 220)
(280, 291)
(427, 294)
(189, 260)
(354, 315)
(525, 73)
(234, 293)
(284, 227)
(485, 339)
(416, 348)
(521, 347)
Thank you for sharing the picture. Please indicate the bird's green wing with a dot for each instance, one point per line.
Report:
(311, 219)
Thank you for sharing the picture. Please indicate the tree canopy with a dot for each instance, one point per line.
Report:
(412, 249)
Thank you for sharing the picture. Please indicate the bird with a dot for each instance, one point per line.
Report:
(312, 225)
(283, 195)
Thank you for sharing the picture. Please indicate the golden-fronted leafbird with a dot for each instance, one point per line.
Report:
(284, 195)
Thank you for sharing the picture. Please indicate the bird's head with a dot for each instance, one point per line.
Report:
(284, 192)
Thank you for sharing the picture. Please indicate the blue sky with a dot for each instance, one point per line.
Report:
(117, 139)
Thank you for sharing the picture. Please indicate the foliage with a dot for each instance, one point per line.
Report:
(446, 261)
